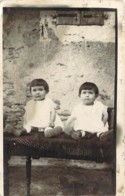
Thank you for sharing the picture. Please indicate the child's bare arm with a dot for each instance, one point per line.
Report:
(52, 117)
(105, 117)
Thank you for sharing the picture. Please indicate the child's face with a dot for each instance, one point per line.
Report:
(38, 93)
(88, 97)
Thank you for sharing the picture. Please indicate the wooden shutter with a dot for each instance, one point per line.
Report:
(79, 17)
(92, 18)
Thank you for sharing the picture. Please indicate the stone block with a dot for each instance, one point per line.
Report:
(6, 109)
(10, 92)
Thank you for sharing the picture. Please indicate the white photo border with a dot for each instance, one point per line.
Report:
(120, 60)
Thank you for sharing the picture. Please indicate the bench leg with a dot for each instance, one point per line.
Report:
(6, 170)
(28, 174)
(6, 176)
(114, 178)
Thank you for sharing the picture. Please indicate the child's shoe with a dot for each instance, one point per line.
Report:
(108, 135)
(9, 129)
(48, 132)
(57, 130)
(76, 134)
(68, 130)
(12, 130)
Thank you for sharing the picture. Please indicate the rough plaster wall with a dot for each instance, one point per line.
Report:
(65, 57)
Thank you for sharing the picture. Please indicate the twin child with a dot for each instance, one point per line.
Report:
(88, 118)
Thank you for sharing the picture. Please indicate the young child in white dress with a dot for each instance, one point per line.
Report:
(89, 117)
(40, 111)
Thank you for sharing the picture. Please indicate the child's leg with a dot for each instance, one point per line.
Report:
(89, 135)
(105, 136)
(107, 151)
(74, 134)
(50, 132)
(68, 130)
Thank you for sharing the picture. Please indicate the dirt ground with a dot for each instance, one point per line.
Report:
(62, 179)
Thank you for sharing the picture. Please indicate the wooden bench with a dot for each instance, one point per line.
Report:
(35, 145)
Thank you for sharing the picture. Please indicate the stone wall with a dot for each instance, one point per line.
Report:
(65, 56)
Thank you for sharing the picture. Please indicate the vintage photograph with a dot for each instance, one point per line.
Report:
(59, 101)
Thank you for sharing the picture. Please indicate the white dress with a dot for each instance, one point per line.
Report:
(89, 117)
(37, 114)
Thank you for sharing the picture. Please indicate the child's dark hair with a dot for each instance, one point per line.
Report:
(89, 86)
(39, 82)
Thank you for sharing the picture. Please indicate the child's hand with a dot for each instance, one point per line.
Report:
(40, 129)
(83, 133)
(51, 125)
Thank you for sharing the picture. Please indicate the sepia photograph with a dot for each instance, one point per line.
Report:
(59, 101)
